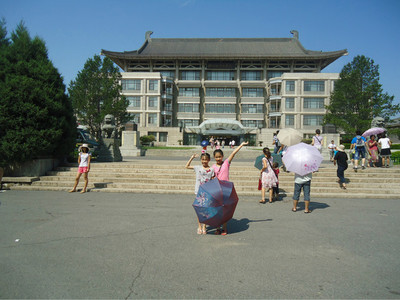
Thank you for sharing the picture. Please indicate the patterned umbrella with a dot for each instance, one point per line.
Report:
(215, 202)
(373, 131)
(302, 159)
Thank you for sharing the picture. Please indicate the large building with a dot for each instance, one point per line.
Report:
(231, 88)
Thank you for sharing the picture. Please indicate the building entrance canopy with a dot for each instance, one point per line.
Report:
(220, 127)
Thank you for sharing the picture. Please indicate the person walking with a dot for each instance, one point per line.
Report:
(268, 178)
(373, 150)
(385, 144)
(341, 160)
(359, 143)
(203, 174)
(317, 140)
(276, 143)
(221, 171)
(302, 182)
(84, 167)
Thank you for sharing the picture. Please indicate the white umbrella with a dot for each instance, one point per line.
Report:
(302, 159)
(289, 136)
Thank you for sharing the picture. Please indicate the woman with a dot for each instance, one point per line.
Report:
(373, 150)
(385, 144)
(317, 140)
(341, 161)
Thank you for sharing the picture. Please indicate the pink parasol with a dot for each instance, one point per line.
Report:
(373, 131)
(302, 159)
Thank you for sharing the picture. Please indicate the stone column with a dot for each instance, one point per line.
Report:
(130, 143)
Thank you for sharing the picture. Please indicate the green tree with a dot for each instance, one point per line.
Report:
(96, 92)
(358, 97)
(36, 117)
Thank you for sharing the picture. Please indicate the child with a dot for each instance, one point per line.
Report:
(221, 170)
(203, 174)
(268, 177)
(84, 167)
(302, 182)
(275, 190)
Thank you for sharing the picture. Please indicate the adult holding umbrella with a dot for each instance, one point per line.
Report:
(303, 160)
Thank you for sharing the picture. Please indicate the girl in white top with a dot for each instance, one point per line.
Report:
(84, 167)
(385, 144)
(317, 140)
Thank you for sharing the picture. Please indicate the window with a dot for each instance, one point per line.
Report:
(190, 75)
(163, 137)
(188, 122)
(314, 86)
(289, 121)
(135, 118)
(153, 101)
(273, 74)
(220, 108)
(168, 74)
(289, 103)
(312, 120)
(188, 107)
(189, 92)
(275, 106)
(253, 92)
(252, 108)
(134, 101)
(252, 123)
(221, 92)
(220, 75)
(251, 75)
(130, 85)
(152, 119)
(290, 86)
(153, 85)
(313, 103)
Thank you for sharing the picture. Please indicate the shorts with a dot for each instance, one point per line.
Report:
(360, 153)
(83, 169)
(386, 152)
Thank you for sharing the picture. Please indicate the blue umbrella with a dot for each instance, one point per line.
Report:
(275, 158)
(215, 202)
(204, 143)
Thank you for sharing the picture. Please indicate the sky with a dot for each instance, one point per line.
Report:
(75, 31)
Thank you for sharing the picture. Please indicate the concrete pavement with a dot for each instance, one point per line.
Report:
(131, 246)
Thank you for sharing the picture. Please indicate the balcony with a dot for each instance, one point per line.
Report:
(166, 96)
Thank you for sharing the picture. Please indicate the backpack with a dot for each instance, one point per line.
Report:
(359, 142)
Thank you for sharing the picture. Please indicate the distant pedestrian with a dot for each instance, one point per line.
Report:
(84, 167)
(276, 143)
(317, 140)
(385, 144)
(331, 149)
(268, 178)
(302, 182)
(203, 174)
(233, 143)
(373, 151)
(341, 161)
(359, 143)
(223, 144)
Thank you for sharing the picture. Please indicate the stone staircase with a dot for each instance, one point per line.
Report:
(166, 175)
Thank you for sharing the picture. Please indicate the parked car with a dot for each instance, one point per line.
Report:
(84, 137)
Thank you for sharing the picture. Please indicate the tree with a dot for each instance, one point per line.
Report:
(358, 97)
(96, 92)
(36, 117)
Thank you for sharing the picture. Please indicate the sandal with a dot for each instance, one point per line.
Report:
(307, 212)
(224, 232)
(199, 231)
(262, 201)
(218, 231)
(294, 209)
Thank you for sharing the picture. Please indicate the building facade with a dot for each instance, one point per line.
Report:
(186, 90)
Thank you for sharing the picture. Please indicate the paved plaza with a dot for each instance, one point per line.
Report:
(131, 246)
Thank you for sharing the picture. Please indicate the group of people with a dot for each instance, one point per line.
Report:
(219, 143)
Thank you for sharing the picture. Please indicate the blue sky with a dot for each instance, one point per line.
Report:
(76, 30)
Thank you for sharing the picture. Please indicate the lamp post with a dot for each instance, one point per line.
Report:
(260, 126)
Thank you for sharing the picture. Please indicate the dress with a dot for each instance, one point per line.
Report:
(202, 176)
(373, 149)
(268, 178)
(222, 173)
